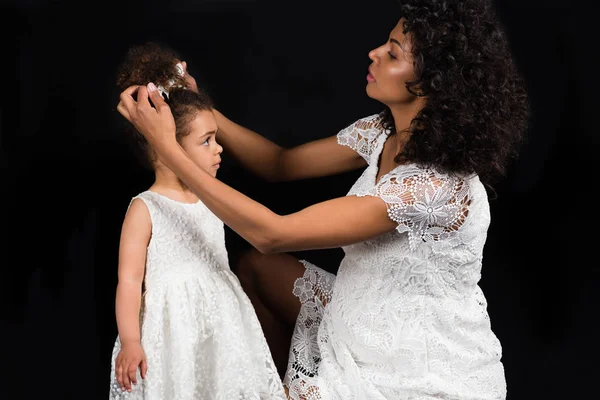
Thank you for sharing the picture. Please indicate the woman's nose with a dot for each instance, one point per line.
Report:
(373, 55)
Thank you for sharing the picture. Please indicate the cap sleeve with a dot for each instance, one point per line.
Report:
(430, 206)
(360, 136)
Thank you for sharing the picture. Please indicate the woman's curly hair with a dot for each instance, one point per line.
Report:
(476, 110)
(156, 63)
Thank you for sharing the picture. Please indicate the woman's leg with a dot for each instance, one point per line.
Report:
(268, 280)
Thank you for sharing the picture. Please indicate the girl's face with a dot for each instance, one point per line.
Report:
(201, 143)
(391, 68)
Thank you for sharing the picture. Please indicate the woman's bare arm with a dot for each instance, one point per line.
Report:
(329, 224)
(274, 163)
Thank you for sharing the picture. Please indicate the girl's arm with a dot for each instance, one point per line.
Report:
(135, 236)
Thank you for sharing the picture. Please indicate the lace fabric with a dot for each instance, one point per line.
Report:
(404, 318)
(199, 331)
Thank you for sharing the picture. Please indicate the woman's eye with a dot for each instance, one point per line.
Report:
(391, 55)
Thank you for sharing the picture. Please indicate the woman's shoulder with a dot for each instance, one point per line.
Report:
(362, 134)
(369, 122)
(436, 176)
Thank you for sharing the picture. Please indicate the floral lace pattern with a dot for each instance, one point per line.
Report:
(404, 318)
(428, 205)
(314, 291)
(199, 331)
(360, 136)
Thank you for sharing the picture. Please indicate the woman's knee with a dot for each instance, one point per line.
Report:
(249, 262)
(251, 266)
(271, 278)
(244, 267)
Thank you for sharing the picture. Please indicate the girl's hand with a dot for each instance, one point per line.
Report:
(127, 362)
(154, 121)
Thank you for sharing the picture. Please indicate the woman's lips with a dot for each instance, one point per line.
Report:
(370, 77)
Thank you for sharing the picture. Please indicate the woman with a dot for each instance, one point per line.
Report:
(405, 317)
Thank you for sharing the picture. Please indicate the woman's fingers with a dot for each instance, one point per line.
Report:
(127, 97)
(127, 103)
(123, 111)
(190, 81)
(142, 97)
(156, 98)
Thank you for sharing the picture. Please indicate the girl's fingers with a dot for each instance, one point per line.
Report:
(125, 376)
(132, 374)
(144, 368)
(118, 371)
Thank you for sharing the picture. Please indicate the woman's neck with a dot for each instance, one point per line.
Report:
(405, 113)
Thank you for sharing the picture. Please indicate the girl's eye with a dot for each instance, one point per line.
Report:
(205, 142)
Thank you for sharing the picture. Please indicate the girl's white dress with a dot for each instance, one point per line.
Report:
(199, 331)
(405, 318)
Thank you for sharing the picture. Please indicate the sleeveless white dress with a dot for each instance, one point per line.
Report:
(199, 331)
(404, 318)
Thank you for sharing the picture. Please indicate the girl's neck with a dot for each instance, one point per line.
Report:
(166, 182)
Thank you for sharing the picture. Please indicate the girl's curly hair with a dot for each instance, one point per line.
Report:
(476, 110)
(153, 62)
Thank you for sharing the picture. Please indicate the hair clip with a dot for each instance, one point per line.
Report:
(162, 90)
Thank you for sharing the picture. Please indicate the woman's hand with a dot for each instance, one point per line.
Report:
(189, 80)
(127, 362)
(153, 120)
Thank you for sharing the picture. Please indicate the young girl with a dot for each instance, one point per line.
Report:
(193, 333)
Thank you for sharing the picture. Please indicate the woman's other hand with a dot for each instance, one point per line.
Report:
(149, 113)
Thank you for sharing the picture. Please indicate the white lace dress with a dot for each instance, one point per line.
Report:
(405, 317)
(199, 331)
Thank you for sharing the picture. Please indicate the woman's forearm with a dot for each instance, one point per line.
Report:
(256, 153)
(127, 304)
(250, 219)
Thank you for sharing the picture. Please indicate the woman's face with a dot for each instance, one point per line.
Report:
(391, 68)
(201, 144)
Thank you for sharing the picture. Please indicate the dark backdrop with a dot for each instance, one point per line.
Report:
(293, 71)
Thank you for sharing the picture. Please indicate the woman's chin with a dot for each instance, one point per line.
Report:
(370, 90)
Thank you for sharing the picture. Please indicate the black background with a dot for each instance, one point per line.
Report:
(293, 71)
